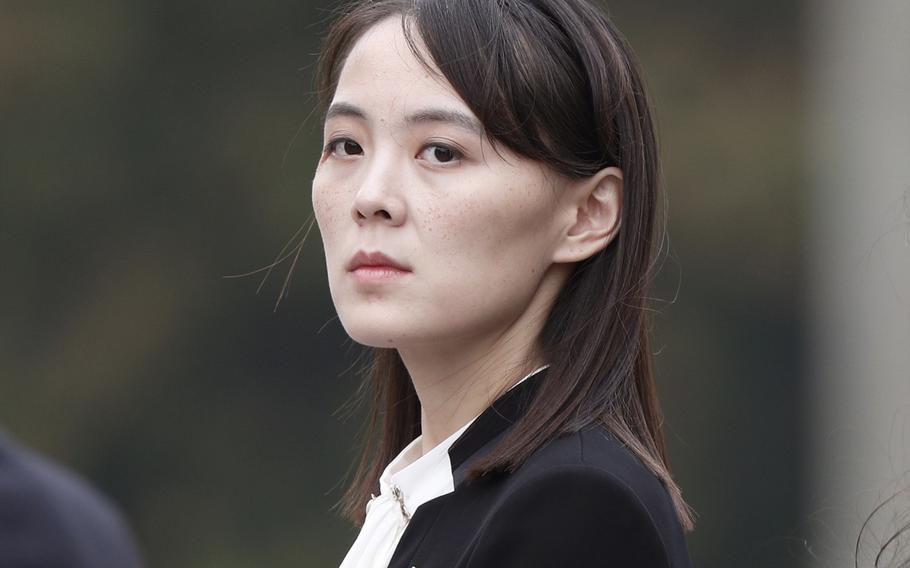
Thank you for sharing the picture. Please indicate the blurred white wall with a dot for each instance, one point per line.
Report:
(859, 272)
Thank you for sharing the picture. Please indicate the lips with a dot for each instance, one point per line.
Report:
(375, 260)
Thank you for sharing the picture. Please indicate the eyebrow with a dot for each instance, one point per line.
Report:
(440, 115)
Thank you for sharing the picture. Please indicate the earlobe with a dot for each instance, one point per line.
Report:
(595, 209)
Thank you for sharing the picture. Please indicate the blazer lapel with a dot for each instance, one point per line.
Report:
(477, 441)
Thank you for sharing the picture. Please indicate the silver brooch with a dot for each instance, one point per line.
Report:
(396, 493)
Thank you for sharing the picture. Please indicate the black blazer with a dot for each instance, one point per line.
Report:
(51, 519)
(581, 500)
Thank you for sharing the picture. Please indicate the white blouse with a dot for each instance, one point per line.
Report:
(409, 481)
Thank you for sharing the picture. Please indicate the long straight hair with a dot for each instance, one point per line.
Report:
(554, 81)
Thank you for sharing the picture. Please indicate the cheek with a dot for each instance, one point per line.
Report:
(328, 209)
(448, 223)
(500, 223)
(495, 239)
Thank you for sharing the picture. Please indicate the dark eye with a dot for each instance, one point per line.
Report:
(344, 147)
(440, 154)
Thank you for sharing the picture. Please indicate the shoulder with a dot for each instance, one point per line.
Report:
(580, 498)
(45, 505)
(601, 455)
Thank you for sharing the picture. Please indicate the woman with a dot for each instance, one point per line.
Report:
(487, 198)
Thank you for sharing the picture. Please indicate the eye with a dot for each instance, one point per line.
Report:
(440, 154)
(343, 147)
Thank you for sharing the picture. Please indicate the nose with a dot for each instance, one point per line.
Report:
(379, 199)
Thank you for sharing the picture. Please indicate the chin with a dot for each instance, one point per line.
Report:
(372, 332)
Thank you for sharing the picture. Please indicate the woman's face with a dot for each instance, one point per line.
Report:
(466, 236)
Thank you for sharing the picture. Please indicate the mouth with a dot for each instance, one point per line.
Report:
(375, 265)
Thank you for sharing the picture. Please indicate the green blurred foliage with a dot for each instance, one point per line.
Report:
(150, 148)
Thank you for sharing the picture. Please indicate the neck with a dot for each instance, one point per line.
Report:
(449, 399)
(457, 380)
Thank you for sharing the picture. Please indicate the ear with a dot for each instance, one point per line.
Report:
(594, 208)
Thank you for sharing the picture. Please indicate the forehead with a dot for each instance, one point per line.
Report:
(383, 73)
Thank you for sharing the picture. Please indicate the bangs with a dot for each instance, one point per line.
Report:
(519, 74)
(543, 80)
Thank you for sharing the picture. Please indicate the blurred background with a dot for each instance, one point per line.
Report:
(149, 148)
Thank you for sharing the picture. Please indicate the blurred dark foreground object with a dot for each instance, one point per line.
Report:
(49, 518)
